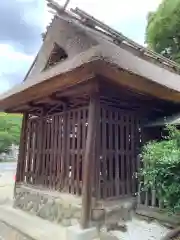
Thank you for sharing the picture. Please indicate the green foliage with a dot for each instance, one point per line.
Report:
(163, 29)
(161, 168)
(10, 127)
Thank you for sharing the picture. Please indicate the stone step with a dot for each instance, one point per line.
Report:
(32, 226)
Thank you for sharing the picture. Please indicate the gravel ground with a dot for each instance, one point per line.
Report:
(6, 196)
(139, 229)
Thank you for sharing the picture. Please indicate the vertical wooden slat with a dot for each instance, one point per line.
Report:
(22, 150)
(139, 194)
(153, 201)
(110, 157)
(146, 197)
(84, 122)
(161, 204)
(78, 159)
(87, 180)
(53, 143)
(64, 140)
(30, 151)
(123, 183)
(40, 149)
(73, 153)
(55, 156)
(133, 154)
(117, 182)
(52, 151)
(104, 154)
(68, 151)
(44, 150)
(128, 180)
(59, 150)
(96, 167)
(48, 154)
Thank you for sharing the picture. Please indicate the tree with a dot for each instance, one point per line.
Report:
(163, 29)
(10, 127)
(161, 168)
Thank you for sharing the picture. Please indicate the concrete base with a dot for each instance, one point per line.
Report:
(77, 233)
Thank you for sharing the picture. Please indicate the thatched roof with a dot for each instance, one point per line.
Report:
(160, 76)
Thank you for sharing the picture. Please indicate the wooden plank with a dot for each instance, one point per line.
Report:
(87, 179)
(48, 154)
(30, 152)
(133, 153)
(68, 151)
(44, 150)
(104, 155)
(52, 148)
(96, 167)
(58, 150)
(40, 149)
(78, 158)
(22, 151)
(64, 151)
(55, 155)
(123, 189)
(33, 162)
(44, 89)
(110, 155)
(128, 182)
(54, 160)
(153, 201)
(117, 180)
(36, 151)
(73, 165)
(84, 122)
(146, 197)
(139, 194)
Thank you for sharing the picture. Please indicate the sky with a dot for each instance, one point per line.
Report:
(23, 21)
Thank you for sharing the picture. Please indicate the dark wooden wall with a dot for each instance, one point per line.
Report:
(53, 149)
(120, 139)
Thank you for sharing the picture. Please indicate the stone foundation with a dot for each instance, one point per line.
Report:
(65, 209)
(60, 208)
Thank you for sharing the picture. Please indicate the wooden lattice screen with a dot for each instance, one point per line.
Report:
(55, 148)
(120, 138)
(54, 151)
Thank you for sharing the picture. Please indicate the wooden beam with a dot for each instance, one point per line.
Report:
(22, 152)
(88, 162)
(43, 89)
(135, 82)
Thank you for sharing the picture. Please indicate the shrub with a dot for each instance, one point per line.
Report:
(161, 168)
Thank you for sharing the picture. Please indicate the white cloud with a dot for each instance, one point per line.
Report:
(11, 60)
(4, 86)
(11, 63)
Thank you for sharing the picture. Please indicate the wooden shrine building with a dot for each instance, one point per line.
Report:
(85, 102)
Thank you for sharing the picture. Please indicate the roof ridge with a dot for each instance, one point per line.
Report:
(127, 41)
(118, 38)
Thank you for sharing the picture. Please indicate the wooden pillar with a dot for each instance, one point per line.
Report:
(39, 167)
(89, 161)
(22, 152)
(63, 171)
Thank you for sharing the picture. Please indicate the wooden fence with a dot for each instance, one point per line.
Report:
(54, 148)
(148, 197)
(54, 151)
(120, 138)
